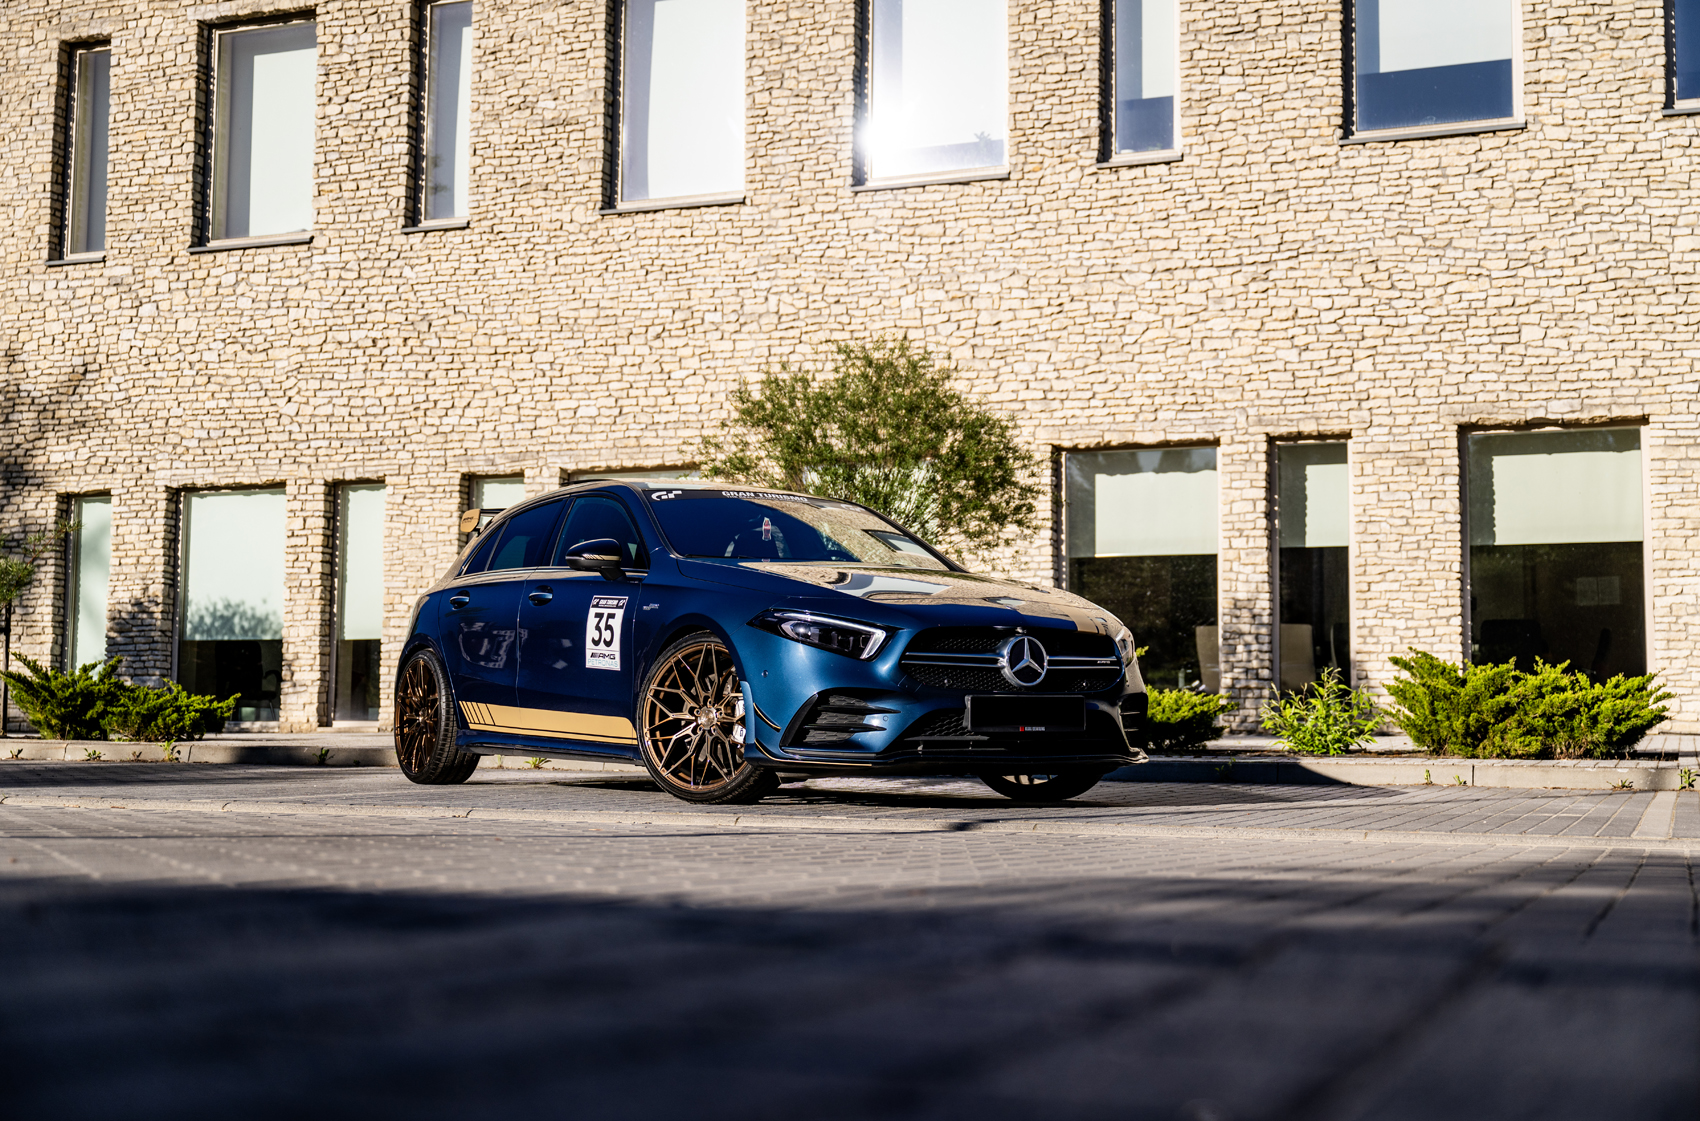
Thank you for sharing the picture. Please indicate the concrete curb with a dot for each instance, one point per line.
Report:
(1515, 774)
(843, 824)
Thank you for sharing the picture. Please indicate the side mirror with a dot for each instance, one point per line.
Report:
(601, 554)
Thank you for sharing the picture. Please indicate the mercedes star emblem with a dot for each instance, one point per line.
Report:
(1022, 660)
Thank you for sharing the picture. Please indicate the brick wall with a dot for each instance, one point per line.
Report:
(1272, 283)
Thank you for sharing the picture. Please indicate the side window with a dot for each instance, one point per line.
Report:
(595, 517)
(526, 537)
(481, 558)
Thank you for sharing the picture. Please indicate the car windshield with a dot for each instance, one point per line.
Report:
(756, 525)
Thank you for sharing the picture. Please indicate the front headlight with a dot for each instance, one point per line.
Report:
(1130, 658)
(841, 636)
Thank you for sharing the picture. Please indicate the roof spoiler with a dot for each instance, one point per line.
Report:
(476, 519)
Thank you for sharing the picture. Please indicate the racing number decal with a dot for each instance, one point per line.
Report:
(602, 632)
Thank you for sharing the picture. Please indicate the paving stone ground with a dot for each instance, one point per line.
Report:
(864, 950)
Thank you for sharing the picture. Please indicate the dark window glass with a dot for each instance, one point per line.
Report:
(481, 557)
(526, 537)
(1685, 50)
(1144, 75)
(708, 523)
(1556, 568)
(593, 518)
(1432, 62)
(1312, 510)
(1142, 543)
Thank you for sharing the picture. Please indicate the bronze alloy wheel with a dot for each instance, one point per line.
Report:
(424, 725)
(1043, 788)
(689, 718)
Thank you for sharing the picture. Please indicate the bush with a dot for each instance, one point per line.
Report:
(1497, 711)
(168, 714)
(1327, 718)
(1183, 719)
(92, 702)
(67, 706)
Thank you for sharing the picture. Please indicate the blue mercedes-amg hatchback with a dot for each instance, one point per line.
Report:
(735, 639)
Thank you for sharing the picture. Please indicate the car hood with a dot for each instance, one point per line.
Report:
(913, 596)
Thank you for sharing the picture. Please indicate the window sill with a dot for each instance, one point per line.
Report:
(895, 183)
(77, 259)
(1138, 159)
(438, 224)
(225, 245)
(680, 202)
(1682, 109)
(1464, 128)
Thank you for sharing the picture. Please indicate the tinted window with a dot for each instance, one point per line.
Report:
(526, 537)
(757, 526)
(595, 517)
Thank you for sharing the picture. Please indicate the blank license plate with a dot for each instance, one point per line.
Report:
(1026, 714)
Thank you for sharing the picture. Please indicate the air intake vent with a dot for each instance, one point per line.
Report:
(832, 718)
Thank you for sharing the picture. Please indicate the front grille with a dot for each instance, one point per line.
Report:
(834, 717)
(965, 659)
(946, 723)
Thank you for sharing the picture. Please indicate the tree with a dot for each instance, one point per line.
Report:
(882, 425)
(15, 576)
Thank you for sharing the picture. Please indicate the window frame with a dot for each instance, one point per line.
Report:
(1272, 504)
(1675, 106)
(613, 202)
(419, 219)
(68, 180)
(863, 176)
(1108, 155)
(71, 592)
(1351, 134)
(211, 107)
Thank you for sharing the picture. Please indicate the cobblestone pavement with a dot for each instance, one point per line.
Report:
(878, 950)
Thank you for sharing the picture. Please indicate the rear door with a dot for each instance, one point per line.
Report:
(575, 635)
(480, 615)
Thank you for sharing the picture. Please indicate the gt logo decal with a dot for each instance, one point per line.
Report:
(602, 632)
(661, 496)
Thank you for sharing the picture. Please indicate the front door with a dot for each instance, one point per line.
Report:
(481, 615)
(575, 637)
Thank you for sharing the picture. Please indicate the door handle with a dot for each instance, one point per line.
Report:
(459, 600)
(541, 595)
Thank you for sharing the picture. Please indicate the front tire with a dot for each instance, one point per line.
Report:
(425, 725)
(1043, 788)
(686, 717)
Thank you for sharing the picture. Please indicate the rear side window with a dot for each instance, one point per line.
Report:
(481, 557)
(596, 517)
(526, 537)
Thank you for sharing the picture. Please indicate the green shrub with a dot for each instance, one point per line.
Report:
(1497, 711)
(1328, 717)
(93, 703)
(1183, 719)
(67, 706)
(167, 714)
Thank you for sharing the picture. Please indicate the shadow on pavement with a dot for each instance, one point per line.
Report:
(1139, 997)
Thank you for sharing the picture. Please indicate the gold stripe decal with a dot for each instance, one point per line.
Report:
(548, 722)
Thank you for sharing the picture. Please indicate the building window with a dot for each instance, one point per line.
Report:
(359, 600)
(1142, 76)
(231, 640)
(1312, 530)
(85, 153)
(448, 106)
(938, 88)
(262, 178)
(1424, 64)
(682, 99)
(1684, 52)
(1556, 564)
(493, 494)
(87, 582)
(1141, 533)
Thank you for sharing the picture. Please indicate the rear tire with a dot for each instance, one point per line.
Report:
(425, 725)
(1057, 787)
(686, 716)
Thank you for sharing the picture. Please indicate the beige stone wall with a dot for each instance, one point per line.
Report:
(1272, 283)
